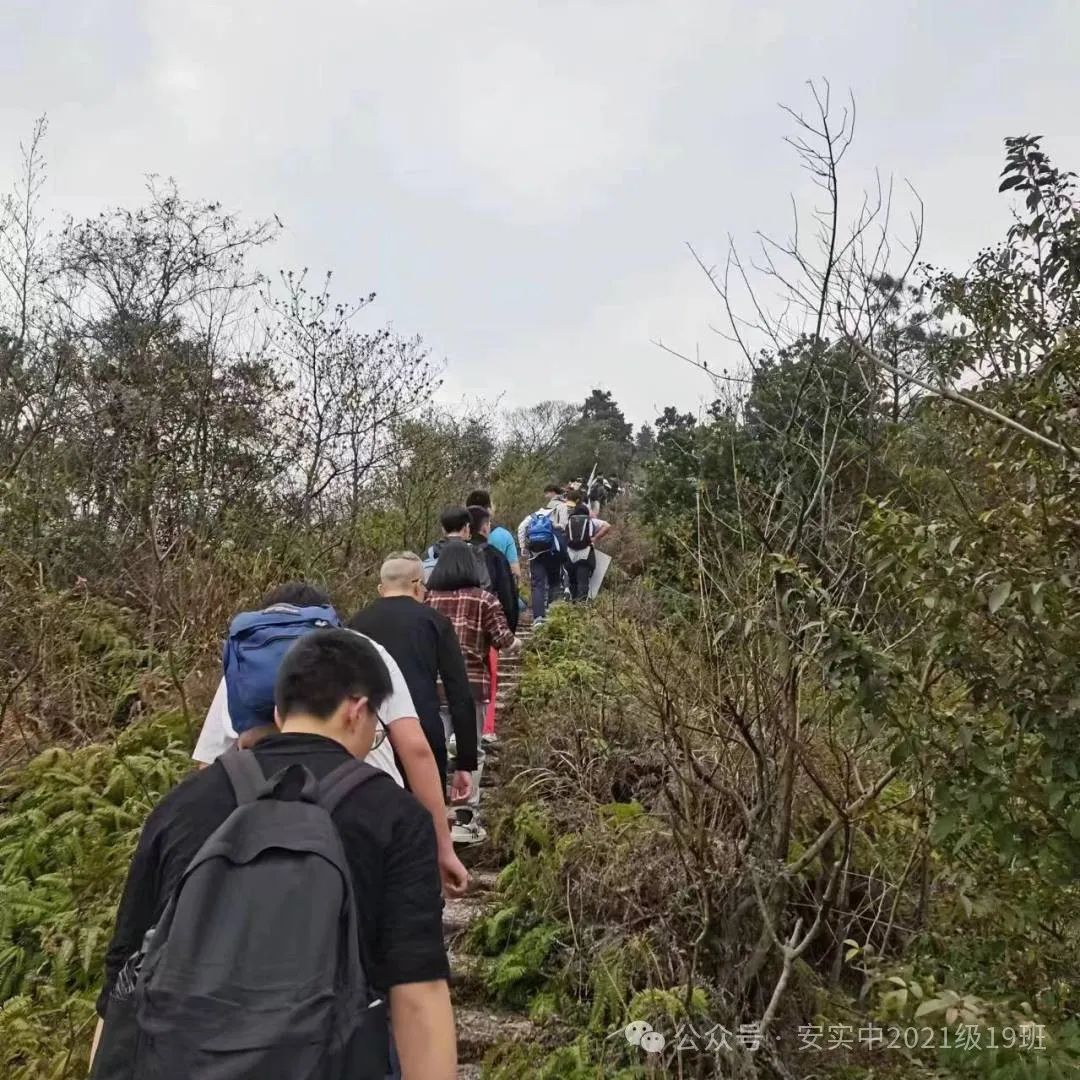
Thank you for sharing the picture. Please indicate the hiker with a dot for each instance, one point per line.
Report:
(500, 538)
(502, 580)
(555, 500)
(542, 537)
(583, 530)
(279, 898)
(454, 590)
(287, 612)
(426, 649)
(598, 493)
(456, 529)
(505, 589)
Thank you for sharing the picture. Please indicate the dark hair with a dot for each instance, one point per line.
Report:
(553, 487)
(581, 507)
(298, 593)
(454, 519)
(479, 497)
(479, 516)
(458, 568)
(323, 668)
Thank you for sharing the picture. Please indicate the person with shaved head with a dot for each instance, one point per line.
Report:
(423, 643)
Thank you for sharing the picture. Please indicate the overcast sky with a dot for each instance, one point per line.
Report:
(518, 180)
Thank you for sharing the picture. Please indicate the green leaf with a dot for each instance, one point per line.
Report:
(999, 595)
(1074, 825)
(943, 826)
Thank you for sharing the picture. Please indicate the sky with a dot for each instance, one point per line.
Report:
(519, 181)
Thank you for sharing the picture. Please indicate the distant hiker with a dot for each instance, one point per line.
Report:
(456, 530)
(582, 532)
(454, 590)
(555, 500)
(501, 539)
(599, 492)
(256, 645)
(277, 899)
(425, 646)
(543, 541)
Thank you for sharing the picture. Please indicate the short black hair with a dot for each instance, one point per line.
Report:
(458, 568)
(323, 668)
(553, 487)
(479, 516)
(454, 519)
(479, 497)
(297, 593)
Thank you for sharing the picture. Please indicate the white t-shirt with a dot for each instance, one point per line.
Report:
(595, 525)
(217, 733)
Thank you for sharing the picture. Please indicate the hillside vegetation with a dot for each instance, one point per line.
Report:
(811, 762)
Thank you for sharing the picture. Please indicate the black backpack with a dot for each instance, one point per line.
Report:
(254, 968)
(431, 558)
(579, 532)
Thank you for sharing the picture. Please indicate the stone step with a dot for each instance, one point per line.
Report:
(460, 913)
(467, 974)
(478, 1030)
(483, 881)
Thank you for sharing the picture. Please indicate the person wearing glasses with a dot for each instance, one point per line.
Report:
(399, 736)
(331, 687)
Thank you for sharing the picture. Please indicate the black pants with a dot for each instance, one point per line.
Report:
(580, 574)
(544, 574)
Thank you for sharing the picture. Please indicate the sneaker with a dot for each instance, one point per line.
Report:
(489, 738)
(466, 829)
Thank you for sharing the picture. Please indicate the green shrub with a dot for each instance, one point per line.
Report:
(69, 822)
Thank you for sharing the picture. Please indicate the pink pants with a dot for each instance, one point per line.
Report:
(493, 667)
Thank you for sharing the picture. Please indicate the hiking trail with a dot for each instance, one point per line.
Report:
(480, 1025)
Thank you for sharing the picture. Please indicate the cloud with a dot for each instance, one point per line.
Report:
(527, 112)
(614, 347)
(515, 179)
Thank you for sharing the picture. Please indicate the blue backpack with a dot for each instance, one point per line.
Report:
(540, 534)
(258, 640)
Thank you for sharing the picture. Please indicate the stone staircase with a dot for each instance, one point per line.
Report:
(479, 1026)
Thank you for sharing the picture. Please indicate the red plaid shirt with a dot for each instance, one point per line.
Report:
(480, 625)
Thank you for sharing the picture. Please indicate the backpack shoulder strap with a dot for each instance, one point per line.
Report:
(244, 773)
(337, 784)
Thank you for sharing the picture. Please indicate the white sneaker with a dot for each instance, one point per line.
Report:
(466, 829)
(489, 739)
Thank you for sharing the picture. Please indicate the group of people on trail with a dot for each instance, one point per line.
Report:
(282, 916)
(560, 539)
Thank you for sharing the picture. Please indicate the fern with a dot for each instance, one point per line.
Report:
(69, 822)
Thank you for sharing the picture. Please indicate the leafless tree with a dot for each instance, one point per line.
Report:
(348, 390)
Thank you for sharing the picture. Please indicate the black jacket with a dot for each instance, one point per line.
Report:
(423, 642)
(502, 580)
